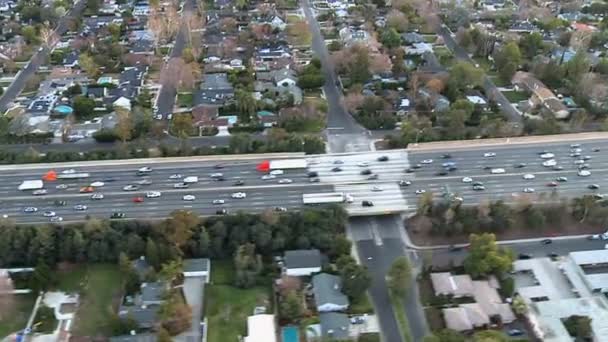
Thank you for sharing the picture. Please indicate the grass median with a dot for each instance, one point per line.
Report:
(404, 325)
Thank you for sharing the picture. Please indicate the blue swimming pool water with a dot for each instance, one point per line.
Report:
(290, 334)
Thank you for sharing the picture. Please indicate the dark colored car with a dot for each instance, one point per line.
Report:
(60, 203)
(118, 215)
(593, 186)
(383, 158)
(336, 169)
(523, 256)
(446, 156)
(441, 173)
(313, 174)
(366, 172)
(367, 204)
(409, 170)
(519, 166)
(373, 177)
(546, 241)
(314, 180)
(221, 212)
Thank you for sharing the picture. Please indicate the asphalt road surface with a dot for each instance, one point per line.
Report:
(37, 59)
(510, 185)
(261, 194)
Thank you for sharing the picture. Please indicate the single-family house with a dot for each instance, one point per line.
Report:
(71, 59)
(196, 267)
(334, 326)
(266, 118)
(215, 90)
(152, 293)
(350, 36)
(327, 292)
(145, 316)
(122, 102)
(284, 77)
(302, 262)
(446, 284)
(541, 95)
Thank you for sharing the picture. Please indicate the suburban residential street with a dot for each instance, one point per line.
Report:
(38, 59)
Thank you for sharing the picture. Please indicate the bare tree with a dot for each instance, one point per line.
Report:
(180, 74)
(7, 299)
(48, 37)
(124, 125)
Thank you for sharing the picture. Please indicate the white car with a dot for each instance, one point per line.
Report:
(39, 192)
(489, 154)
(144, 182)
(584, 173)
(218, 201)
(285, 181)
(467, 180)
(498, 171)
(217, 175)
(579, 161)
(49, 214)
(56, 219)
(363, 164)
(153, 194)
(529, 176)
(30, 209)
(80, 207)
(188, 198)
(420, 191)
(576, 150)
(68, 171)
(145, 169)
(528, 190)
(97, 184)
(549, 163)
(61, 187)
(276, 172)
(175, 176)
(97, 196)
(426, 161)
(180, 186)
(547, 155)
(268, 177)
(130, 187)
(376, 189)
(238, 195)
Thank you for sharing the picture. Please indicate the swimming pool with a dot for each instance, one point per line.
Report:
(290, 334)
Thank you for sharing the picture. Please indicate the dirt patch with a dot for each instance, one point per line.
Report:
(420, 231)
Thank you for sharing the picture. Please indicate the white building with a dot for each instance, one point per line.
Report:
(261, 328)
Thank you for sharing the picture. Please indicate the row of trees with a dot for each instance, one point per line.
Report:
(182, 234)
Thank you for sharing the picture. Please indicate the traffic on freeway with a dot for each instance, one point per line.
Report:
(509, 173)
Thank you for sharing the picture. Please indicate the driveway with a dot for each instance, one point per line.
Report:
(194, 288)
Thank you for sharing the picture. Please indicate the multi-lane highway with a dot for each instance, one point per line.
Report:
(517, 162)
(360, 174)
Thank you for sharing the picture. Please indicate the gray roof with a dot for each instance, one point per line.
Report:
(216, 82)
(196, 265)
(134, 338)
(303, 258)
(145, 316)
(327, 289)
(152, 292)
(334, 325)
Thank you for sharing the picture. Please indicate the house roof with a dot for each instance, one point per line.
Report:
(261, 328)
(334, 325)
(216, 82)
(327, 289)
(457, 285)
(284, 73)
(196, 265)
(144, 316)
(303, 258)
(152, 292)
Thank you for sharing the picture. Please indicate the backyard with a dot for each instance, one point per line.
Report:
(100, 288)
(17, 318)
(228, 307)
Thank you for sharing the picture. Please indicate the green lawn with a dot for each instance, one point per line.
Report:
(515, 96)
(100, 287)
(498, 81)
(361, 306)
(404, 325)
(227, 307)
(185, 100)
(17, 318)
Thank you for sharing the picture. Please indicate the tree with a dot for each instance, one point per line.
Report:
(399, 276)
(29, 34)
(577, 66)
(446, 335)
(390, 38)
(291, 306)
(355, 278)
(42, 277)
(152, 255)
(124, 125)
(163, 335)
(397, 20)
(241, 4)
(486, 257)
(248, 265)
(578, 326)
(519, 305)
(535, 218)
(182, 124)
(245, 103)
(464, 75)
(531, 44)
(87, 63)
(507, 60)
(83, 107)
(581, 207)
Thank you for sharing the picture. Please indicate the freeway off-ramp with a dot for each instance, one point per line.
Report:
(337, 172)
